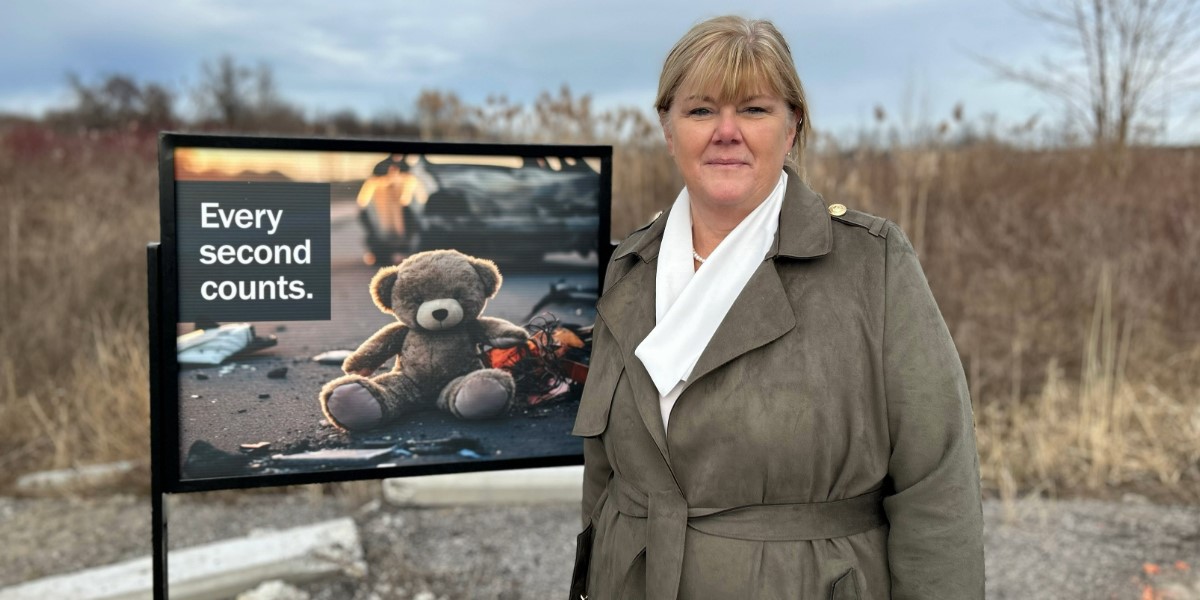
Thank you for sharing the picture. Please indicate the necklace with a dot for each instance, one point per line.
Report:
(696, 255)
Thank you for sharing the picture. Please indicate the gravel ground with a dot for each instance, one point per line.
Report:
(1058, 550)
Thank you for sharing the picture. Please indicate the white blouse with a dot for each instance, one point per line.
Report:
(690, 303)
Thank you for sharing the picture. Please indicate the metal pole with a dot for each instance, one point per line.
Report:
(158, 514)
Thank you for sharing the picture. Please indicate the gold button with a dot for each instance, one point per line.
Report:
(837, 210)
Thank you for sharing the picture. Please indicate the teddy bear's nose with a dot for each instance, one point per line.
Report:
(441, 314)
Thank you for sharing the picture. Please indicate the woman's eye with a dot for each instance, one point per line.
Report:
(699, 112)
(757, 110)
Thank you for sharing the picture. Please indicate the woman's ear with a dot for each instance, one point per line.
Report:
(797, 117)
(664, 119)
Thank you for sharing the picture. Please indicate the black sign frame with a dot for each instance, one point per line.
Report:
(163, 272)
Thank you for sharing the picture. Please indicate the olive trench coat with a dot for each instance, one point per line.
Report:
(824, 447)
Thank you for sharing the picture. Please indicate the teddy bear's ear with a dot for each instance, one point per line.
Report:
(381, 288)
(488, 274)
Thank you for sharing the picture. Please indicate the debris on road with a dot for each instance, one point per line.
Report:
(450, 445)
(332, 458)
(214, 346)
(278, 373)
(205, 460)
(377, 450)
(333, 357)
(567, 294)
(551, 365)
(381, 441)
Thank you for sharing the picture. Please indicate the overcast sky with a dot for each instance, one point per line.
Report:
(376, 56)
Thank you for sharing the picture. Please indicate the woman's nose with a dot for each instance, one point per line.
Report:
(727, 127)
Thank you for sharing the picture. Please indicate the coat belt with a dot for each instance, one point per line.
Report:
(668, 516)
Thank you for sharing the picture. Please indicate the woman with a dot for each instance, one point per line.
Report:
(393, 188)
(794, 426)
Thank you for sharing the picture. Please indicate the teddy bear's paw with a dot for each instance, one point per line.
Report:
(353, 407)
(480, 395)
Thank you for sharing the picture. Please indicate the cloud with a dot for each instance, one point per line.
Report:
(377, 57)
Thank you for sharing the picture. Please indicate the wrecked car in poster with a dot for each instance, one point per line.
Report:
(513, 214)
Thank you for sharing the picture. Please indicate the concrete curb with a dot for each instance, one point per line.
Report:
(79, 478)
(217, 570)
(224, 569)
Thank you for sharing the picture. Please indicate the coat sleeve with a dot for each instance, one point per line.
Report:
(935, 544)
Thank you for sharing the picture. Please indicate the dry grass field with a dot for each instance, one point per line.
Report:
(76, 214)
(1070, 288)
(1071, 291)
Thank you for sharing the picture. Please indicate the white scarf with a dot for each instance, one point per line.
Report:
(691, 303)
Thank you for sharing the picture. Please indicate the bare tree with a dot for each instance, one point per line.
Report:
(116, 101)
(1123, 58)
(223, 93)
(236, 97)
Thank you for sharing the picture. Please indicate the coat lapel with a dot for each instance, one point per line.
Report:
(628, 310)
(763, 311)
(760, 315)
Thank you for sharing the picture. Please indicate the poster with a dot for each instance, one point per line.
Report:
(377, 306)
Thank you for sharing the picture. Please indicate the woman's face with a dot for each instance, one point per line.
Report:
(729, 153)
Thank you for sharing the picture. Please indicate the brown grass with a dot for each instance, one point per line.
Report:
(76, 215)
(1069, 289)
(1068, 286)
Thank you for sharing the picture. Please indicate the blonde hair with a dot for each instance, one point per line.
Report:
(737, 56)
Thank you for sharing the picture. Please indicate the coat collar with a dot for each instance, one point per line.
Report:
(805, 228)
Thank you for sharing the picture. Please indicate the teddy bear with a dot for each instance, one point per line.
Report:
(437, 298)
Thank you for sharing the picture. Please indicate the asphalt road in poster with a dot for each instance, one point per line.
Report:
(237, 403)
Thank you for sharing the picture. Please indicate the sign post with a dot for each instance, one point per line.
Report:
(158, 516)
